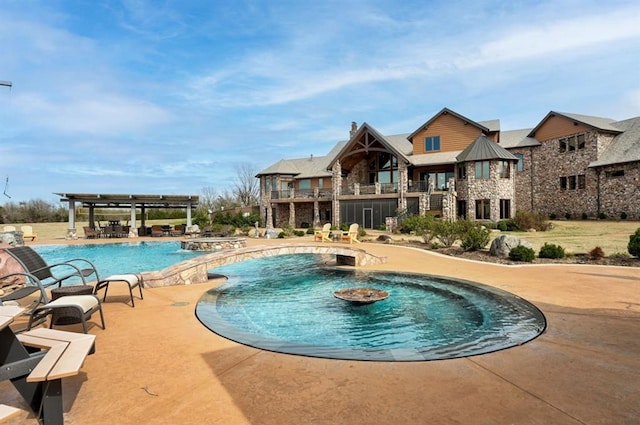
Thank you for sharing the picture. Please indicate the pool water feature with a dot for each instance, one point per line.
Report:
(287, 304)
(119, 258)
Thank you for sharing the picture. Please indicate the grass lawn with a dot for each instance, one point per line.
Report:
(575, 237)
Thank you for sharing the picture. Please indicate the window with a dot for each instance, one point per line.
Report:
(520, 161)
(482, 169)
(503, 169)
(320, 183)
(563, 183)
(505, 208)
(581, 181)
(562, 145)
(304, 184)
(483, 209)
(615, 173)
(462, 209)
(462, 171)
(572, 182)
(572, 143)
(432, 143)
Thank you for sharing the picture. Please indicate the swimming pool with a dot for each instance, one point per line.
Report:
(119, 258)
(286, 304)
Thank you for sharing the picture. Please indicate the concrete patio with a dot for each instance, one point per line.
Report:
(156, 364)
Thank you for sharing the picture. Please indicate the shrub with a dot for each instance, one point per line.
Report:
(522, 253)
(299, 232)
(596, 253)
(634, 244)
(503, 226)
(420, 225)
(584, 216)
(448, 232)
(550, 250)
(602, 216)
(623, 215)
(281, 235)
(475, 238)
(567, 215)
(526, 220)
(311, 231)
(553, 216)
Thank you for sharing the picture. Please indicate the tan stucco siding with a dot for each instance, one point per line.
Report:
(555, 127)
(454, 134)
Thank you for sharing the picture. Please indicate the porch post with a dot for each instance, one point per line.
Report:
(189, 215)
(292, 214)
(133, 230)
(336, 182)
(71, 231)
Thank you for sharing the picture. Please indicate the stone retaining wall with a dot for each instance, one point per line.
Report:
(196, 269)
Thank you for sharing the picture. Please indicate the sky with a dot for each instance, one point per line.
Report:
(173, 97)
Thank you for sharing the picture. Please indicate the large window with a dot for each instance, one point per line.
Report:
(462, 209)
(304, 184)
(572, 143)
(505, 208)
(383, 169)
(482, 169)
(503, 169)
(573, 182)
(520, 161)
(432, 143)
(483, 209)
(440, 179)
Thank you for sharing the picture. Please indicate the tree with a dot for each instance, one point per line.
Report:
(247, 187)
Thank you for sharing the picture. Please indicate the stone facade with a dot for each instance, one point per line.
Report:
(494, 189)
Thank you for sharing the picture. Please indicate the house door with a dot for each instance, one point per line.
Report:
(367, 218)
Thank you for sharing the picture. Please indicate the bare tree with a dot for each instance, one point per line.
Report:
(247, 187)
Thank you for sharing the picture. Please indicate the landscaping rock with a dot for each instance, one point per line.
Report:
(502, 245)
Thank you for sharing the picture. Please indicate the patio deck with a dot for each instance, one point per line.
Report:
(156, 364)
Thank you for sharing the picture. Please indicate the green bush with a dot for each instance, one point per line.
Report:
(281, 235)
(584, 216)
(522, 253)
(311, 231)
(553, 216)
(567, 215)
(623, 215)
(448, 232)
(634, 244)
(550, 250)
(475, 238)
(299, 232)
(602, 216)
(503, 226)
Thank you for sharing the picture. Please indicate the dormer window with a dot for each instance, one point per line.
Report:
(432, 143)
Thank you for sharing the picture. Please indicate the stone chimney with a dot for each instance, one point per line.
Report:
(354, 129)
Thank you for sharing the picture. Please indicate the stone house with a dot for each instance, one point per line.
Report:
(452, 166)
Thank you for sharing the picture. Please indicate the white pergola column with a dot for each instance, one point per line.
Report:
(188, 215)
(71, 231)
(133, 230)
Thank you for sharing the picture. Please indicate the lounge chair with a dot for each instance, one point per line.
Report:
(81, 306)
(28, 233)
(156, 230)
(352, 235)
(323, 235)
(34, 264)
(9, 229)
(178, 230)
(28, 284)
(90, 233)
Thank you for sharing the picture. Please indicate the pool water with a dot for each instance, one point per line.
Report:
(119, 258)
(286, 304)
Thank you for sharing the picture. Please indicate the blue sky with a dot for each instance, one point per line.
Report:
(170, 97)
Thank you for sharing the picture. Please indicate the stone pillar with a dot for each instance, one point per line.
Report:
(269, 223)
(336, 182)
(292, 214)
(316, 211)
(378, 188)
(356, 189)
(403, 185)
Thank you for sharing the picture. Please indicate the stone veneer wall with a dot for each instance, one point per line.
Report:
(524, 179)
(359, 174)
(494, 188)
(620, 194)
(196, 269)
(549, 165)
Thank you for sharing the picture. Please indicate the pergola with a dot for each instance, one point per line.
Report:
(119, 201)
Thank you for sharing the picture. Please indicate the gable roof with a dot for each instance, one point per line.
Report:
(311, 166)
(483, 148)
(625, 147)
(390, 143)
(598, 123)
(446, 111)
